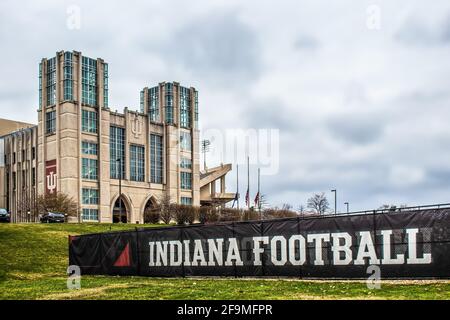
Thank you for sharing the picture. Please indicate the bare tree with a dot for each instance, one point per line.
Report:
(301, 209)
(57, 202)
(166, 208)
(318, 203)
(262, 202)
(152, 215)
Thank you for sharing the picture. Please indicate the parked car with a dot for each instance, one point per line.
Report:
(50, 217)
(5, 216)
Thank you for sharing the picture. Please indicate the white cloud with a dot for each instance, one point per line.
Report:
(364, 111)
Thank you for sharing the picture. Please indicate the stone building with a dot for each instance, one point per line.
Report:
(115, 165)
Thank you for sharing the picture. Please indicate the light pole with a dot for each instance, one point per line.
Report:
(346, 203)
(335, 201)
(205, 149)
(119, 161)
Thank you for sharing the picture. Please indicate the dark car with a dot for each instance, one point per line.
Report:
(50, 217)
(4, 216)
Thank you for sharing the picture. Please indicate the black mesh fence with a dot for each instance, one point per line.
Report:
(409, 244)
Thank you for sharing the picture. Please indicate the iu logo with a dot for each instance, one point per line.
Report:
(51, 182)
(136, 127)
(51, 177)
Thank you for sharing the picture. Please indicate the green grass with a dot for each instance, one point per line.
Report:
(33, 262)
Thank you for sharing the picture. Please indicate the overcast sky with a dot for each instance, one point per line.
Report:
(359, 90)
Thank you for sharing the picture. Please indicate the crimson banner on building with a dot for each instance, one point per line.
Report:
(412, 244)
(51, 180)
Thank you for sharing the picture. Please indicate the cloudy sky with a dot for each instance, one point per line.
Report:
(358, 90)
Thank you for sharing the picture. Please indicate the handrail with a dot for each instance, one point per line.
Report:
(398, 209)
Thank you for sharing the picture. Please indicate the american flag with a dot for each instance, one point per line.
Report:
(247, 198)
(257, 199)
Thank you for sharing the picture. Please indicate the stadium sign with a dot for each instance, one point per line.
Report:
(413, 244)
(284, 250)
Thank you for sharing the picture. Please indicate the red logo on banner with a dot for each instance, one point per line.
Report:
(124, 258)
(51, 181)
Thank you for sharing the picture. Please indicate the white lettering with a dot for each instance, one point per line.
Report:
(161, 253)
(301, 248)
(215, 251)
(257, 250)
(233, 254)
(274, 251)
(198, 254)
(387, 259)
(366, 249)
(179, 251)
(412, 249)
(318, 238)
(337, 248)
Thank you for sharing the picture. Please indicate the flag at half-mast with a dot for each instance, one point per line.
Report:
(247, 198)
(257, 199)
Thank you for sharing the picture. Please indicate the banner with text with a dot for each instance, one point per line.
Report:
(402, 244)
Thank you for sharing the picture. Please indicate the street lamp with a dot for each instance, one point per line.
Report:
(205, 149)
(346, 203)
(119, 162)
(335, 201)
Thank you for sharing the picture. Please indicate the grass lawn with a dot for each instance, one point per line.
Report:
(34, 258)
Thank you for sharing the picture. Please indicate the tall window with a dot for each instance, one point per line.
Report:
(51, 81)
(67, 79)
(153, 103)
(89, 121)
(40, 86)
(186, 180)
(169, 103)
(186, 201)
(185, 141)
(105, 85)
(90, 196)
(50, 122)
(156, 158)
(117, 151)
(186, 163)
(89, 169)
(90, 214)
(24, 179)
(141, 99)
(89, 148)
(196, 109)
(185, 107)
(89, 81)
(137, 163)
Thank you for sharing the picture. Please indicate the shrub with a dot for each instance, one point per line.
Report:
(57, 202)
(275, 213)
(179, 213)
(191, 214)
(184, 214)
(228, 214)
(152, 215)
(251, 215)
(208, 215)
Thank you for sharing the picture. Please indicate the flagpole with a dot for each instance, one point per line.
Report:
(259, 194)
(248, 181)
(237, 185)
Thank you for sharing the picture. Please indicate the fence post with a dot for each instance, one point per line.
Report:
(138, 252)
(234, 236)
(263, 264)
(183, 271)
(375, 243)
(298, 232)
